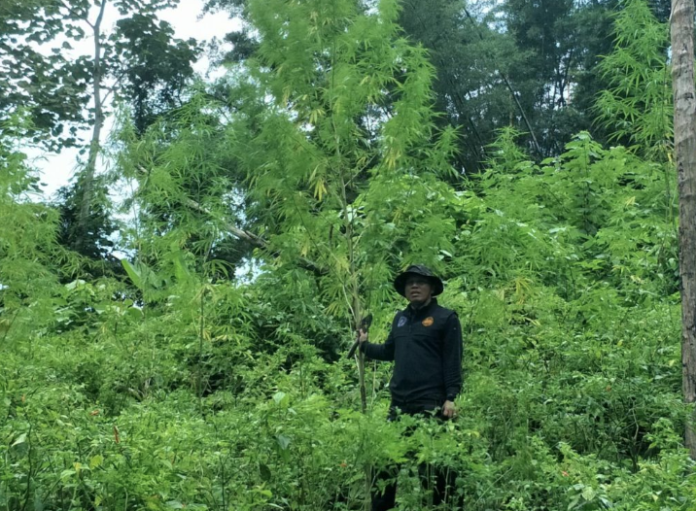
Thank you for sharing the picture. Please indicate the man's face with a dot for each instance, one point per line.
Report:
(418, 289)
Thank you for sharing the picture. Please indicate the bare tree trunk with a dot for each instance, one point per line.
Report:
(682, 27)
(87, 176)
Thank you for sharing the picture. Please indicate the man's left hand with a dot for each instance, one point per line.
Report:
(449, 410)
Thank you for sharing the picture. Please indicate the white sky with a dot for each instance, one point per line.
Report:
(57, 169)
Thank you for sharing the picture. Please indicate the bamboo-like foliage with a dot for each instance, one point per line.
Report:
(29, 255)
(636, 109)
(344, 165)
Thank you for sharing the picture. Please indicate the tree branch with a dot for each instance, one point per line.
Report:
(537, 147)
(76, 14)
(252, 238)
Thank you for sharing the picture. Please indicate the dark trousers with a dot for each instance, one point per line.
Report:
(444, 486)
(444, 480)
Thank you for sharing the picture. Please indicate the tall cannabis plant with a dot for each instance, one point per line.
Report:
(636, 109)
(341, 162)
(29, 255)
(342, 167)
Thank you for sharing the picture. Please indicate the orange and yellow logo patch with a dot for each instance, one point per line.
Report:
(428, 321)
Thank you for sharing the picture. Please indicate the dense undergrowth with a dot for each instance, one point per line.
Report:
(219, 398)
(183, 388)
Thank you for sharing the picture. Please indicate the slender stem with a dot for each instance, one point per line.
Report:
(90, 169)
(349, 224)
(30, 471)
(9, 327)
(200, 350)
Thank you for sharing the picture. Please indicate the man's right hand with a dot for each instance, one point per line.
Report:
(362, 336)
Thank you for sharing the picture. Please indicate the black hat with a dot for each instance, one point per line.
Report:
(423, 271)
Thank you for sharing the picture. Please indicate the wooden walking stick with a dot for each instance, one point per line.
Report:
(364, 325)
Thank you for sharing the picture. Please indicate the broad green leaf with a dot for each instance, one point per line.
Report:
(133, 274)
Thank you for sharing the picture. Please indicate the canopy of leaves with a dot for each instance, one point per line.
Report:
(40, 72)
(188, 385)
(637, 107)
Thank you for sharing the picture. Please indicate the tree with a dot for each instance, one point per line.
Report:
(190, 185)
(95, 241)
(147, 67)
(50, 87)
(155, 66)
(524, 64)
(472, 58)
(541, 31)
(682, 28)
(140, 63)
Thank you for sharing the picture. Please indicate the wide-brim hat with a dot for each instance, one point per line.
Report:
(423, 271)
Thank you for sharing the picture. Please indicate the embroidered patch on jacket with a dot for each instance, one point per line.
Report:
(402, 321)
(428, 321)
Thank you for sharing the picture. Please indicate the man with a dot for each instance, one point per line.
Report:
(425, 343)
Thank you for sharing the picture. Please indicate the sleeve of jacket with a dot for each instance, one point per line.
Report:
(452, 357)
(380, 351)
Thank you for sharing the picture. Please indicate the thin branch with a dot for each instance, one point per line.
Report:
(252, 238)
(72, 11)
(509, 86)
(100, 16)
(245, 235)
(114, 87)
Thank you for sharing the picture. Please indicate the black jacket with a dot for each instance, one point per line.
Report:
(426, 346)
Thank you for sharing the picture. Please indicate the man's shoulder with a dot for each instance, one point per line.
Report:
(398, 314)
(443, 311)
(434, 308)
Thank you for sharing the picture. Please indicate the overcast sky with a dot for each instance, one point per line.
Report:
(58, 169)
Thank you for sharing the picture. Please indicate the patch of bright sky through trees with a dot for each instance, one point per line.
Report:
(57, 169)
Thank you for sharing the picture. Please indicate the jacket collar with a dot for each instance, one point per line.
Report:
(423, 311)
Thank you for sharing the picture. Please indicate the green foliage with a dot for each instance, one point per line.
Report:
(40, 74)
(187, 386)
(637, 106)
(95, 243)
(157, 67)
(30, 259)
(498, 62)
(349, 120)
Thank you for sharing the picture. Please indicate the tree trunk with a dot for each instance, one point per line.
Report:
(682, 28)
(87, 176)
